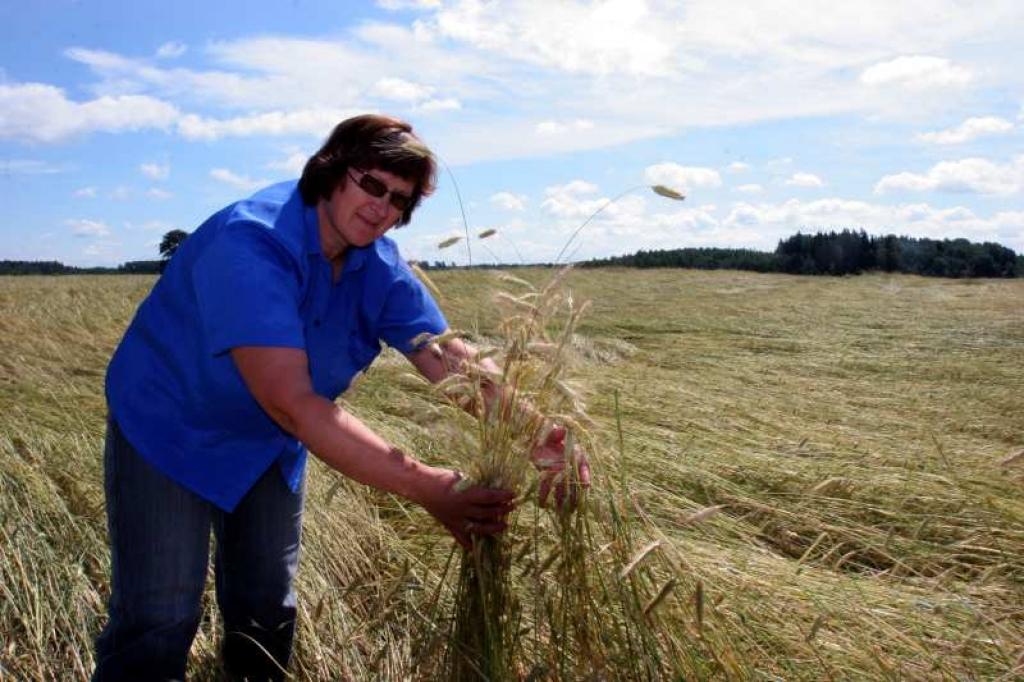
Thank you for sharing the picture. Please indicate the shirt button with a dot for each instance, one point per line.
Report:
(316, 323)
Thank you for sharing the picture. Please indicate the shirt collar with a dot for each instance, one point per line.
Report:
(312, 223)
(356, 257)
(383, 249)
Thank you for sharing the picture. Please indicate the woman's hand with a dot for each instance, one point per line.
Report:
(550, 458)
(464, 511)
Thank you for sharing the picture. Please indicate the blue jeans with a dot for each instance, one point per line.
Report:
(159, 542)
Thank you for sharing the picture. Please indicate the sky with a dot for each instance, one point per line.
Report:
(120, 121)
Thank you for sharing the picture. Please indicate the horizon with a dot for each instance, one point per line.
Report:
(119, 123)
(132, 267)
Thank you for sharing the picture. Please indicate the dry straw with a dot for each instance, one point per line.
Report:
(583, 610)
(742, 390)
(718, 406)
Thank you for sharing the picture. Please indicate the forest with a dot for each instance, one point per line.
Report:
(847, 252)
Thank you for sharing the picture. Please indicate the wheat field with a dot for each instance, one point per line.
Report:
(816, 477)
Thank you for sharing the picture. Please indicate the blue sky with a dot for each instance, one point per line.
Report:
(120, 121)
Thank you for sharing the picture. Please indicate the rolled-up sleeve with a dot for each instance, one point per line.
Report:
(409, 310)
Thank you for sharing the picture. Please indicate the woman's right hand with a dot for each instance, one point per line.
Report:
(550, 459)
(464, 511)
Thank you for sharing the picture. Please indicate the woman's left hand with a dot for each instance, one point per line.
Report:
(550, 458)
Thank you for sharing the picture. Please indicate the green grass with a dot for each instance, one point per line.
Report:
(849, 432)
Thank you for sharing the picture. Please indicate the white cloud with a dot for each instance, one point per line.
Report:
(292, 165)
(85, 193)
(155, 171)
(316, 122)
(635, 220)
(572, 200)
(28, 167)
(972, 175)
(805, 180)
(241, 182)
(762, 225)
(752, 188)
(171, 50)
(1008, 228)
(655, 37)
(774, 221)
(916, 72)
(738, 167)
(471, 138)
(633, 223)
(37, 112)
(509, 201)
(617, 36)
(121, 193)
(970, 129)
(400, 90)
(87, 228)
(395, 5)
(158, 193)
(906, 182)
(681, 178)
(632, 66)
(149, 226)
(105, 250)
(98, 59)
(274, 73)
(560, 127)
(278, 75)
(433, 105)
(766, 63)
(258, 86)
(846, 33)
(818, 214)
(574, 187)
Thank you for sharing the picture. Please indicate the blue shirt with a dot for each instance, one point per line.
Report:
(253, 275)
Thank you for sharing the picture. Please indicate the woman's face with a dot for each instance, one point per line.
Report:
(354, 217)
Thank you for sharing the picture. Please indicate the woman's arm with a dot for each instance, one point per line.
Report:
(278, 379)
(437, 361)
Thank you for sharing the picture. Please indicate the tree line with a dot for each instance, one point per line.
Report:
(168, 245)
(847, 252)
(26, 267)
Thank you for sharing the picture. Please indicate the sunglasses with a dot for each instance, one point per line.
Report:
(376, 189)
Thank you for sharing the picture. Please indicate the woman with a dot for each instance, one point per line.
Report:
(229, 372)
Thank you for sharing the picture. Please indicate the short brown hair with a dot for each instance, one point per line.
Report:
(368, 142)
